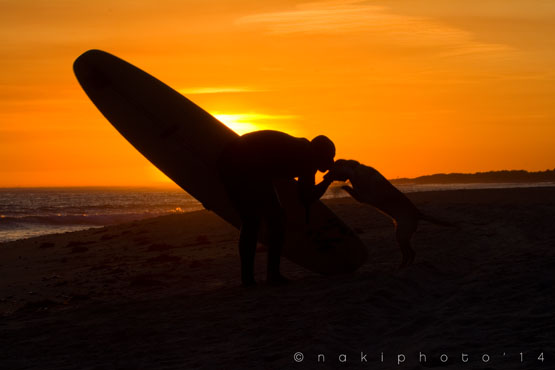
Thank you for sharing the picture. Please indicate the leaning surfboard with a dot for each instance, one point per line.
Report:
(184, 141)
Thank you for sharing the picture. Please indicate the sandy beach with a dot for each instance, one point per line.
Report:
(164, 293)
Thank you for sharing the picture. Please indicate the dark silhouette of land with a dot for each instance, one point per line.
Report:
(514, 176)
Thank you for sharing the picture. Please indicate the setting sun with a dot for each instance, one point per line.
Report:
(243, 123)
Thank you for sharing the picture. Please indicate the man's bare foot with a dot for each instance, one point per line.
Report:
(248, 283)
(276, 280)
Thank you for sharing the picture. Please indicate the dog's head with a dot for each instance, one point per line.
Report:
(342, 170)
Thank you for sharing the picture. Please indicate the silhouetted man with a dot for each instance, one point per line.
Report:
(248, 167)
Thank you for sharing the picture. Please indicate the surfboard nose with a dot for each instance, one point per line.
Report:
(87, 71)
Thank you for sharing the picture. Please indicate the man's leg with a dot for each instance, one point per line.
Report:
(247, 247)
(240, 191)
(275, 219)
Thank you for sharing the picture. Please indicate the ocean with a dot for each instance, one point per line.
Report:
(28, 212)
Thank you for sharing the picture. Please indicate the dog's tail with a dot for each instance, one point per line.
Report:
(437, 221)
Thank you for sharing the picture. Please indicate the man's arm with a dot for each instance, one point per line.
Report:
(309, 192)
(321, 188)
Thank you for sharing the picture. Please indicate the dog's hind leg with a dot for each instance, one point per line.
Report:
(403, 234)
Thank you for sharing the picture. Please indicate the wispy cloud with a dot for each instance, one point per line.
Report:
(379, 22)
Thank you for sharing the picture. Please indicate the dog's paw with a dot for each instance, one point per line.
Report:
(408, 258)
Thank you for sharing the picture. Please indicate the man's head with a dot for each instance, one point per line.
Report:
(323, 152)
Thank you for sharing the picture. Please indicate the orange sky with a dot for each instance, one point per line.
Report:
(408, 87)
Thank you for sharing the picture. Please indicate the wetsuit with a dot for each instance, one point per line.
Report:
(248, 167)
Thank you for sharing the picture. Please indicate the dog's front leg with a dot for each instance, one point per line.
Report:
(353, 193)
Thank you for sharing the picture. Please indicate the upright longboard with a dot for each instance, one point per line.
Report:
(184, 141)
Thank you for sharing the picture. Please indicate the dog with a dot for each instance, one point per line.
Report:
(370, 187)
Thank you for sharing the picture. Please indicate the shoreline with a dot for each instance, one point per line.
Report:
(331, 197)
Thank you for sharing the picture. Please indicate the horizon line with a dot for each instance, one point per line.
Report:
(173, 185)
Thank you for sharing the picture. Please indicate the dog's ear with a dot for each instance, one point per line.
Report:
(339, 163)
(352, 163)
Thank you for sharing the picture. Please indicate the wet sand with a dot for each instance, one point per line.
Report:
(164, 293)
